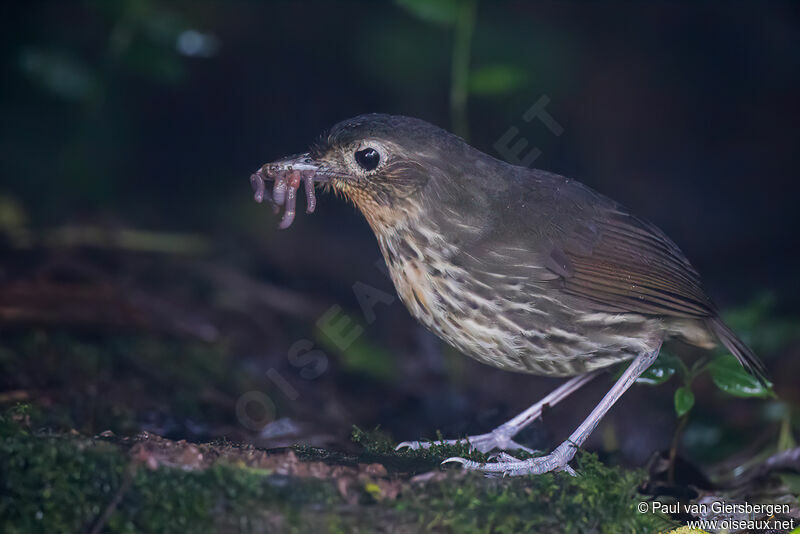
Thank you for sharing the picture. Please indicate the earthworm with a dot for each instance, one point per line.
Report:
(284, 190)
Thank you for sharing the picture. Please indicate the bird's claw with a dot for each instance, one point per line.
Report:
(470, 465)
(507, 465)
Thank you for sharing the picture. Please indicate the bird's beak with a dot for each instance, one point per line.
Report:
(302, 163)
(288, 174)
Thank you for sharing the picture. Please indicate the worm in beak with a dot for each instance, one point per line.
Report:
(287, 175)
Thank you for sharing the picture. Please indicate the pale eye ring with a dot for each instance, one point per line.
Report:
(368, 159)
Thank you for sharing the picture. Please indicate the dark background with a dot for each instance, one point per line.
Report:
(151, 115)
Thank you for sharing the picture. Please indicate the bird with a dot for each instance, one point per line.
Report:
(521, 269)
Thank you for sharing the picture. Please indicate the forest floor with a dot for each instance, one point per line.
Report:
(66, 482)
(120, 392)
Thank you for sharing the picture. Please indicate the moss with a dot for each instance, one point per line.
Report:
(51, 484)
(64, 483)
(379, 448)
(601, 499)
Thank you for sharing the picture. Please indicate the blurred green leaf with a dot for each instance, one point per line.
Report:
(12, 213)
(792, 482)
(361, 356)
(497, 79)
(684, 400)
(162, 26)
(126, 239)
(14, 222)
(662, 370)
(442, 12)
(155, 62)
(730, 377)
(60, 73)
(759, 327)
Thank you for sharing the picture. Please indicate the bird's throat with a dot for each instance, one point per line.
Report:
(390, 218)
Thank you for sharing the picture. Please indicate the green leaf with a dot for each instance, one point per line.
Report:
(662, 370)
(684, 400)
(759, 326)
(62, 74)
(729, 376)
(443, 12)
(358, 355)
(497, 79)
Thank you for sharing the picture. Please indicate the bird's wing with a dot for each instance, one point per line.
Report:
(560, 233)
(553, 233)
(619, 262)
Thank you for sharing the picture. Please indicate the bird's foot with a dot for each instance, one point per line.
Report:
(507, 465)
(497, 439)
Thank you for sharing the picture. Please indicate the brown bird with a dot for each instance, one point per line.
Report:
(518, 268)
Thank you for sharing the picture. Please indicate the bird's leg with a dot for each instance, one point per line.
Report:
(559, 459)
(500, 437)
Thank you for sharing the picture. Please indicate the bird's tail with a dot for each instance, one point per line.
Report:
(743, 353)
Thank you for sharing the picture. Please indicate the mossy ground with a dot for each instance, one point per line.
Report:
(77, 457)
(71, 483)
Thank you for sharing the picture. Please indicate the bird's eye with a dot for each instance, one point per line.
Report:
(368, 159)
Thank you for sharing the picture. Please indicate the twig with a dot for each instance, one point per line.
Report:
(673, 450)
(459, 74)
(275, 297)
(118, 496)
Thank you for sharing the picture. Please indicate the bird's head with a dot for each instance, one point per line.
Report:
(387, 165)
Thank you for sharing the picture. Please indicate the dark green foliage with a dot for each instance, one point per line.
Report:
(662, 370)
(684, 400)
(758, 328)
(730, 377)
